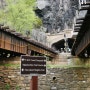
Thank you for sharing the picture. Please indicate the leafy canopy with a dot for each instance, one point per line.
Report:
(19, 15)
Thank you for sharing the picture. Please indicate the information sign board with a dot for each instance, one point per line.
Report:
(33, 65)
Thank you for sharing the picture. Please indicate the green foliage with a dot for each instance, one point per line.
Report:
(17, 87)
(7, 87)
(10, 65)
(19, 15)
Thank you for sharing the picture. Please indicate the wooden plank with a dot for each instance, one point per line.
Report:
(7, 40)
(2, 41)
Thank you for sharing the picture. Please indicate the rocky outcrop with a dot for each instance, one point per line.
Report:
(58, 15)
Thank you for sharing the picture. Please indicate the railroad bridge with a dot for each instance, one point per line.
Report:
(81, 46)
(15, 44)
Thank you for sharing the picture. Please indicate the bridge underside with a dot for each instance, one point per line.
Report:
(81, 45)
(60, 45)
(7, 54)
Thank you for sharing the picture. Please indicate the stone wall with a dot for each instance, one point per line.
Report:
(66, 79)
(73, 78)
(10, 77)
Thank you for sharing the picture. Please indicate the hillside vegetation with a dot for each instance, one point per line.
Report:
(19, 15)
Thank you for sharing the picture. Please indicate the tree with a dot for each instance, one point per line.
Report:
(19, 15)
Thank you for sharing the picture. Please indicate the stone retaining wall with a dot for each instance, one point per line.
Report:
(66, 79)
(75, 78)
(10, 78)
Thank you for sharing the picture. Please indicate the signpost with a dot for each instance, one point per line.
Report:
(33, 65)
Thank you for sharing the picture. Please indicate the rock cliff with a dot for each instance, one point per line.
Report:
(57, 15)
